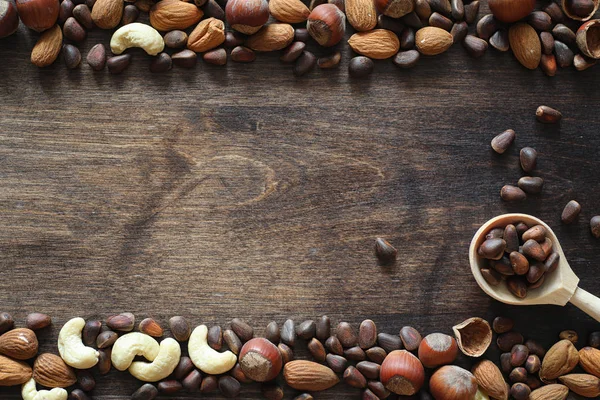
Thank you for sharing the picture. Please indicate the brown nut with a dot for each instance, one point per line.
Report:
(247, 16)
(9, 19)
(402, 373)
(260, 360)
(437, 349)
(326, 24)
(38, 15)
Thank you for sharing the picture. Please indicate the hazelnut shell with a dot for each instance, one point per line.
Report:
(511, 10)
(260, 360)
(38, 15)
(9, 18)
(473, 336)
(437, 349)
(567, 10)
(247, 16)
(452, 383)
(326, 24)
(588, 38)
(402, 373)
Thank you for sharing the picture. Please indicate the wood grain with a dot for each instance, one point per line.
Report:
(242, 191)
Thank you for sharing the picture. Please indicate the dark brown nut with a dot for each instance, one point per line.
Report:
(104, 362)
(355, 354)
(287, 354)
(536, 271)
(367, 334)
(491, 276)
(407, 39)
(36, 321)
(272, 332)
(439, 21)
(423, 9)
(581, 8)
(126, 321)
(85, 380)
(184, 59)
(442, 6)
(407, 59)
(369, 369)
(492, 249)
(595, 226)
(502, 324)
(149, 326)
(330, 61)
(73, 30)
(518, 374)
(65, 11)
(323, 328)
(209, 384)
(301, 35)
(411, 338)
(317, 350)
(531, 184)
(229, 386)
(239, 374)
(505, 363)
(376, 354)
(341, 4)
(548, 115)
(215, 57)
(78, 394)
(533, 382)
(71, 55)
(378, 389)
(535, 348)
(540, 20)
(507, 340)
(385, 252)
(511, 237)
(389, 342)
(528, 157)
(183, 368)
(487, 26)
(564, 34)
(555, 12)
(569, 335)
(522, 227)
(292, 52)
(367, 394)
(346, 334)
(242, 329)
(233, 39)
(212, 9)
(582, 62)
(594, 340)
(537, 233)
(272, 391)
(191, 383)
(145, 392)
(537, 283)
(306, 330)
(391, 24)
(412, 20)
(90, 332)
(337, 363)
(570, 212)
(176, 39)
(360, 67)
(170, 386)
(215, 337)
(564, 55)
(503, 266)
(551, 263)
(6, 322)
(520, 391)
(233, 341)
(304, 396)
(532, 364)
(458, 9)
(511, 193)
(518, 355)
(471, 11)
(353, 377)
(334, 345)
(547, 41)
(496, 233)
(547, 247)
(106, 339)
(242, 54)
(305, 63)
(533, 249)
(130, 14)
(326, 24)
(502, 142)
(459, 32)
(288, 333)
(519, 263)
(180, 328)
(96, 57)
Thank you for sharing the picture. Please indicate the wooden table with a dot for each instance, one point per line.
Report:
(243, 191)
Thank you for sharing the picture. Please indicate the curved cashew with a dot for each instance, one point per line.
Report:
(205, 357)
(130, 345)
(162, 366)
(71, 348)
(30, 392)
(137, 35)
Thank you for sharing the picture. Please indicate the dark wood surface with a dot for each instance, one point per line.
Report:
(242, 191)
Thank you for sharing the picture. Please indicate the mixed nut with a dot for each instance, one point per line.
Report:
(401, 30)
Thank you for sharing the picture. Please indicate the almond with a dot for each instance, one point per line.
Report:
(209, 34)
(51, 371)
(550, 392)
(20, 344)
(48, 47)
(525, 44)
(309, 376)
(150, 327)
(13, 372)
(490, 379)
(559, 360)
(589, 358)
(585, 385)
(290, 11)
(378, 44)
(167, 15)
(271, 37)
(107, 14)
(361, 14)
(432, 41)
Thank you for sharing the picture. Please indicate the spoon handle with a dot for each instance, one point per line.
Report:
(586, 302)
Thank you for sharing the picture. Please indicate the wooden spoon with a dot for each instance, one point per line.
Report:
(559, 287)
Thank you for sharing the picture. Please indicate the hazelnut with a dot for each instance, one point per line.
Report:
(437, 349)
(38, 15)
(9, 19)
(402, 373)
(452, 383)
(260, 360)
(511, 10)
(247, 16)
(326, 24)
(395, 8)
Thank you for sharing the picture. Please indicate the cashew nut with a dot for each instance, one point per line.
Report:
(205, 357)
(162, 366)
(71, 348)
(30, 392)
(137, 35)
(130, 345)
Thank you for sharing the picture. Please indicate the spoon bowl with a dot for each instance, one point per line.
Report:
(560, 287)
